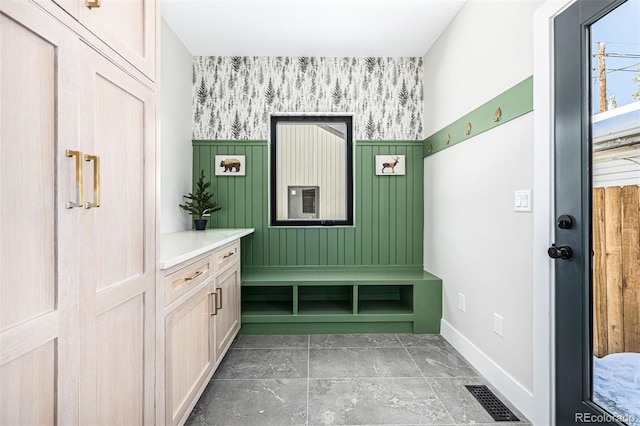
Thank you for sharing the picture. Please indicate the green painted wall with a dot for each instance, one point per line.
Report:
(389, 209)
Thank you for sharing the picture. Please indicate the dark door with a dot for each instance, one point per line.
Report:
(573, 208)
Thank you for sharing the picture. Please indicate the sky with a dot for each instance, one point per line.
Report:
(620, 31)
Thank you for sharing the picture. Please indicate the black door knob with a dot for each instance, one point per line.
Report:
(562, 252)
(565, 222)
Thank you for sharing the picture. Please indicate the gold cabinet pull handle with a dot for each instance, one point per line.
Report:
(96, 181)
(231, 253)
(92, 3)
(79, 181)
(214, 304)
(219, 298)
(194, 276)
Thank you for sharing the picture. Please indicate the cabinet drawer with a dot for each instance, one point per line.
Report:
(226, 256)
(181, 281)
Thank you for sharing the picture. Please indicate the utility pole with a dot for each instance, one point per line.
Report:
(603, 78)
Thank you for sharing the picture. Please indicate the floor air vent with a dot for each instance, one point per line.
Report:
(492, 404)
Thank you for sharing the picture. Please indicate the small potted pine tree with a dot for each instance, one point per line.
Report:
(201, 203)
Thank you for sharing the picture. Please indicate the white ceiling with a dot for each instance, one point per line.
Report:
(355, 28)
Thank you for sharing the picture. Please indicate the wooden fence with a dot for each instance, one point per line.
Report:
(616, 270)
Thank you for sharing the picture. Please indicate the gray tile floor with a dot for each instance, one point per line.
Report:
(353, 379)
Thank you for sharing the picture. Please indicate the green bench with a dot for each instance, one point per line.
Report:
(344, 299)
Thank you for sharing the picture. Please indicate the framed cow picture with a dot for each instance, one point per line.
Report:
(230, 165)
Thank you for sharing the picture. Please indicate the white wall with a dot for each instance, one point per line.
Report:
(474, 240)
(176, 115)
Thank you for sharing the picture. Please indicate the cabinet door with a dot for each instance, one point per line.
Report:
(189, 352)
(117, 292)
(228, 314)
(129, 27)
(38, 235)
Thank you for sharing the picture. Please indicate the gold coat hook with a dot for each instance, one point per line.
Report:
(497, 115)
(468, 129)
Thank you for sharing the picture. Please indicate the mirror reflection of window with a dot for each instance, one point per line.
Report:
(303, 202)
(311, 170)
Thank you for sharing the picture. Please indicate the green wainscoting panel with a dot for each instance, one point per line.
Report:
(388, 217)
(513, 103)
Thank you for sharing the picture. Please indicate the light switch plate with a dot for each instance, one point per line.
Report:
(522, 201)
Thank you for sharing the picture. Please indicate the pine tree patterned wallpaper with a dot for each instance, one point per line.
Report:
(233, 96)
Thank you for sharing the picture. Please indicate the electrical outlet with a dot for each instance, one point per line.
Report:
(461, 302)
(497, 324)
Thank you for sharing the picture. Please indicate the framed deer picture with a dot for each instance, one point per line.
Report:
(392, 165)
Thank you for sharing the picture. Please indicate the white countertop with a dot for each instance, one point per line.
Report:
(180, 246)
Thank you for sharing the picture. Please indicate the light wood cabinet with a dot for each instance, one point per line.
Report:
(189, 351)
(38, 236)
(225, 256)
(227, 321)
(77, 282)
(187, 278)
(128, 27)
(117, 295)
(201, 317)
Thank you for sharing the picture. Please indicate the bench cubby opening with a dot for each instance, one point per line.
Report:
(385, 299)
(325, 300)
(274, 300)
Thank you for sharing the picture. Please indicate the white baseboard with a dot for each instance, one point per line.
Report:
(500, 379)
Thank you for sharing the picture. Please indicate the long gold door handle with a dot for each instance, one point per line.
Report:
(96, 181)
(214, 304)
(219, 298)
(79, 182)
